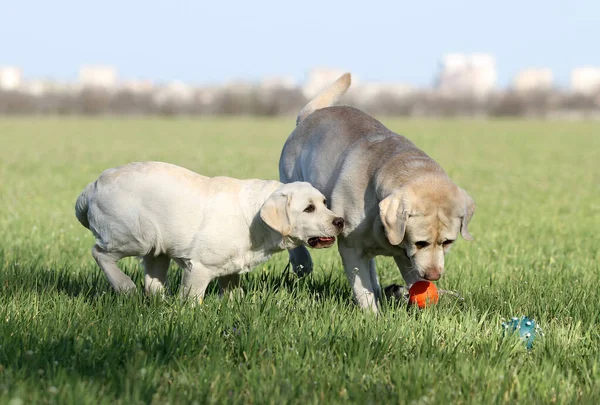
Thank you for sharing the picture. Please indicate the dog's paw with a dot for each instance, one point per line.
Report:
(301, 270)
(125, 287)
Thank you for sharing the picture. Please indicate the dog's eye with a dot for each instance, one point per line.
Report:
(447, 242)
(310, 208)
(421, 244)
(325, 202)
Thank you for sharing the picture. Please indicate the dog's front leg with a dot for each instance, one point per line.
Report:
(301, 261)
(195, 280)
(358, 269)
(409, 273)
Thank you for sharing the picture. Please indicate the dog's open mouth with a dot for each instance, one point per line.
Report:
(321, 242)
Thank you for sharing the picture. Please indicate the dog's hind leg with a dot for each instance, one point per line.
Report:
(156, 268)
(302, 263)
(108, 263)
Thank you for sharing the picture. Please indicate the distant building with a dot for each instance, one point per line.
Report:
(462, 74)
(97, 76)
(320, 78)
(533, 79)
(585, 80)
(10, 78)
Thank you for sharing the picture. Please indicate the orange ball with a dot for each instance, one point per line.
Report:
(423, 293)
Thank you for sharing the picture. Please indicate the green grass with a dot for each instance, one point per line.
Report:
(65, 337)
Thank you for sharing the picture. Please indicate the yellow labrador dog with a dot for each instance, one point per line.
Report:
(211, 227)
(395, 199)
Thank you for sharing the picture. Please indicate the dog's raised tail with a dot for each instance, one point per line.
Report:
(81, 206)
(327, 97)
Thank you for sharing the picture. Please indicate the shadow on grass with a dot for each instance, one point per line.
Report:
(37, 276)
(116, 363)
(89, 282)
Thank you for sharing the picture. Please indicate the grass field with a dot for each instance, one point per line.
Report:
(65, 337)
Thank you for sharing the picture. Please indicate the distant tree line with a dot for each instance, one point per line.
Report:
(274, 102)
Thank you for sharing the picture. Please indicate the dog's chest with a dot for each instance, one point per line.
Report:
(390, 250)
(243, 262)
(372, 244)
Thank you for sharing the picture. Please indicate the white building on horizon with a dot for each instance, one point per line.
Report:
(533, 79)
(463, 74)
(98, 76)
(585, 80)
(10, 78)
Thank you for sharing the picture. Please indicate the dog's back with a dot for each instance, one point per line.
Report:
(327, 136)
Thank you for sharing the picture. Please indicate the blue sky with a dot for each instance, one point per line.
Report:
(214, 41)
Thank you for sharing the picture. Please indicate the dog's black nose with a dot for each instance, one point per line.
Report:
(338, 222)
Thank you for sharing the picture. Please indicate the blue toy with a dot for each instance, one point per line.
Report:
(527, 328)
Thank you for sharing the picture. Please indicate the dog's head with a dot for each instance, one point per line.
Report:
(299, 212)
(425, 221)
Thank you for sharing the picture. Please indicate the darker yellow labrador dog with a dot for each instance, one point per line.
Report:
(396, 200)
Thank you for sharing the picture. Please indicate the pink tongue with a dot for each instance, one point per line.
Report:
(326, 239)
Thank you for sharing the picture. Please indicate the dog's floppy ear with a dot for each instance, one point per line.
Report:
(275, 212)
(469, 210)
(393, 211)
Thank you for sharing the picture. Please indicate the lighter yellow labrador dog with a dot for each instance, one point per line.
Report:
(395, 199)
(211, 227)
